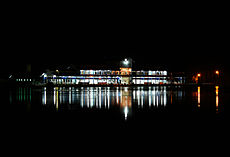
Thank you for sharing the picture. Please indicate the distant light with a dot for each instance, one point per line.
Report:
(199, 75)
(217, 72)
(44, 74)
(57, 71)
(126, 62)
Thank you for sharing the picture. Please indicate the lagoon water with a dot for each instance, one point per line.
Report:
(119, 104)
(118, 112)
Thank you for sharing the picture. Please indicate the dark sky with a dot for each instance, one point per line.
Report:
(178, 41)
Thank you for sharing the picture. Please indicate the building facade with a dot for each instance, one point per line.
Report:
(124, 76)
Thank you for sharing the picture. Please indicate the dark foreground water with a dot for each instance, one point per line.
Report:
(118, 114)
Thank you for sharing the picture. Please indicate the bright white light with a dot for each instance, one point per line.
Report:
(126, 112)
(126, 62)
(44, 75)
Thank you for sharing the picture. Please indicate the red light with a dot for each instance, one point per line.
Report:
(199, 75)
(217, 72)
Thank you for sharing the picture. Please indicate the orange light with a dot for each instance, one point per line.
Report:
(198, 94)
(217, 72)
(199, 75)
(217, 90)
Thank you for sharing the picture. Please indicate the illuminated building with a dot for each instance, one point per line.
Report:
(124, 76)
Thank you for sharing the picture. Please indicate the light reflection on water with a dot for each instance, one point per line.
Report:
(22, 95)
(217, 99)
(126, 99)
(107, 97)
(198, 95)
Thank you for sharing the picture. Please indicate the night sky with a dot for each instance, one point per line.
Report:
(181, 42)
(181, 54)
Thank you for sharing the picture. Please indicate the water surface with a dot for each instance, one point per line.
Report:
(119, 103)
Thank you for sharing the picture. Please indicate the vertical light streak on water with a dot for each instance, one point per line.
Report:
(96, 97)
(61, 95)
(171, 97)
(161, 96)
(108, 97)
(198, 95)
(120, 97)
(105, 97)
(138, 97)
(99, 97)
(70, 95)
(54, 97)
(87, 97)
(217, 99)
(30, 94)
(150, 96)
(117, 96)
(82, 95)
(91, 97)
(142, 98)
(134, 94)
(19, 94)
(154, 96)
(73, 94)
(126, 112)
(44, 96)
(157, 96)
(24, 95)
(57, 97)
(165, 96)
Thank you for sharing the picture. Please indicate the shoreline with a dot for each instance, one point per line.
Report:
(7, 83)
(120, 85)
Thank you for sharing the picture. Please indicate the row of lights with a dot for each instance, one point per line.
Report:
(217, 72)
(24, 80)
